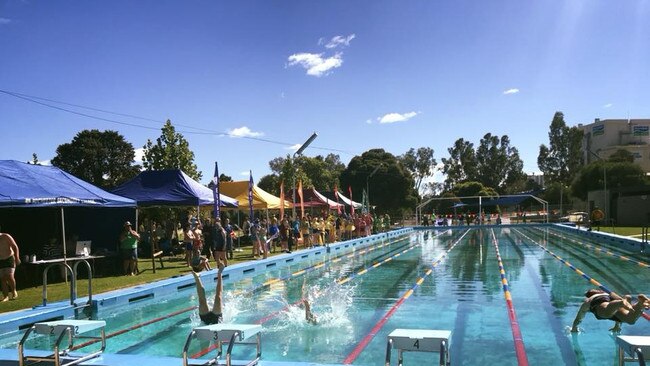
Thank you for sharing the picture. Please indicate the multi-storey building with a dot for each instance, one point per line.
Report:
(604, 137)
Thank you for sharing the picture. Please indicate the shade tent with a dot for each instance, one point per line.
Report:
(169, 188)
(27, 185)
(342, 199)
(262, 200)
(313, 198)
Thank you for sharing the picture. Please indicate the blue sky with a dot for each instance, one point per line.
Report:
(362, 74)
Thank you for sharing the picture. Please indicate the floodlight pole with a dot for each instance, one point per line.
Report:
(298, 153)
(368, 187)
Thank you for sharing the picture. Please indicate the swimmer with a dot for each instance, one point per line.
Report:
(606, 306)
(309, 316)
(215, 315)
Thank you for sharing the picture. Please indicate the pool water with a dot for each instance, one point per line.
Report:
(350, 293)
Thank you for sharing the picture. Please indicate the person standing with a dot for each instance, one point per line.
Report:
(9, 259)
(129, 247)
(229, 239)
(219, 243)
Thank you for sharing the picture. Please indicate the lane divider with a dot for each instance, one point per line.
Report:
(576, 270)
(352, 356)
(340, 281)
(520, 349)
(251, 290)
(598, 249)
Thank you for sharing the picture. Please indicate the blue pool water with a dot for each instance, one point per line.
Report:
(351, 292)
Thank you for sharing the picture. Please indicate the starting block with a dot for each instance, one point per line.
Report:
(73, 329)
(637, 347)
(419, 340)
(226, 333)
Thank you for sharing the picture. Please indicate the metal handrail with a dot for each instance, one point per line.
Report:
(639, 355)
(90, 279)
(73, 282)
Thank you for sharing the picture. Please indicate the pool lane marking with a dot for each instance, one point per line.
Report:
(576, 270)
(520, 349)
(600, 250)
(352, 356)
(267, 283)
(340, 281)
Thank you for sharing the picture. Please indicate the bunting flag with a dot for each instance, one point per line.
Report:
(302, 205)
(351, 202)
(250, 195)
(336, 194)
(281, 200)
(215, 192)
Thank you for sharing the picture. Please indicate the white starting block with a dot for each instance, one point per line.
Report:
(637, 347)
(226, 333)
(419, 340)
(73, 329)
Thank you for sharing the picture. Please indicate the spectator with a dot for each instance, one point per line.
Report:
(9, 259)
(129, 247)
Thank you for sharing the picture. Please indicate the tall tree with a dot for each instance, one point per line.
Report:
(621, 156)
(171, 151)
(104, 159)
(271, 184)
(319, 172)
(562, 159)
(420, 163)
(461, 164)
(619, 174)
(497, 163)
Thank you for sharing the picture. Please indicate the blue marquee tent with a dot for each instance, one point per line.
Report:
(169, 188)
(27, 185)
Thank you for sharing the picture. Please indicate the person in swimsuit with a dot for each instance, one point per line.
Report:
(9, 259)
(309, 316)
(215, 315)
(606, 306)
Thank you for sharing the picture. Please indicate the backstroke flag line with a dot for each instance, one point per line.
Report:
(215, 192)
(302, 206)
(351, 201)
(336, 194)
(281, 200)
(250, 196)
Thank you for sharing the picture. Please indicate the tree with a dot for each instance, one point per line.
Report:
(271, 184)
(392, 186)
(591, 177)
(319, 172)
(224, 178)
(171, 151)
(621, 156)
(420, 164)
(104, 159)
(461, 164)
(562, 159)
(498, 164)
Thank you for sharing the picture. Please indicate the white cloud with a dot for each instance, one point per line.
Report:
(246, 173)
(396, 117)
(315, 64)
(293, 147)
(243, 132)
(608, 105)
(5, 21)
(139, 155)
(369, 121)
(338, 41)
(511, 91)
(282, 96)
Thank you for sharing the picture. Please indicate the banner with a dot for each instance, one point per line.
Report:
(351, 201)
(598, 130)
(215, 192)
(302, 206)
(281, 200)
(641, 130)
(336, 194)
(250, 195)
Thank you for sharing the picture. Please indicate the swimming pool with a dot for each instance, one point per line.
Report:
(429, 279)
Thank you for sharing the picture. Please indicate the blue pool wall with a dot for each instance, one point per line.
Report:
(135, 296)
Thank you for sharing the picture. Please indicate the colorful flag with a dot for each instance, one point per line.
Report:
(336, 194)
(215, 192)
(250, 195)
(281, 200)
(302, 206)
(351, 202)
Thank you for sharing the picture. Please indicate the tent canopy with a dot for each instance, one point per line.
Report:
(342, 199)
(261, 198)
(313, 198)
(27, 185)
(169, 188)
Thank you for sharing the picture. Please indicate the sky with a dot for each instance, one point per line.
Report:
(361, 74)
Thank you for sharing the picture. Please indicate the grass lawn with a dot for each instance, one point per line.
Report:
(620, 230)
(174, 266)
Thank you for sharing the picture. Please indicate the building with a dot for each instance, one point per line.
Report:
(604, 137)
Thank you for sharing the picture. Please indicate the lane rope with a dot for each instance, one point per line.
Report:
(576, 270)
(520, 349)
(377, 327)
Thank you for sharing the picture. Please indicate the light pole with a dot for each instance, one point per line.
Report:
(368, 187)
(604, 183)
(299, 152)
